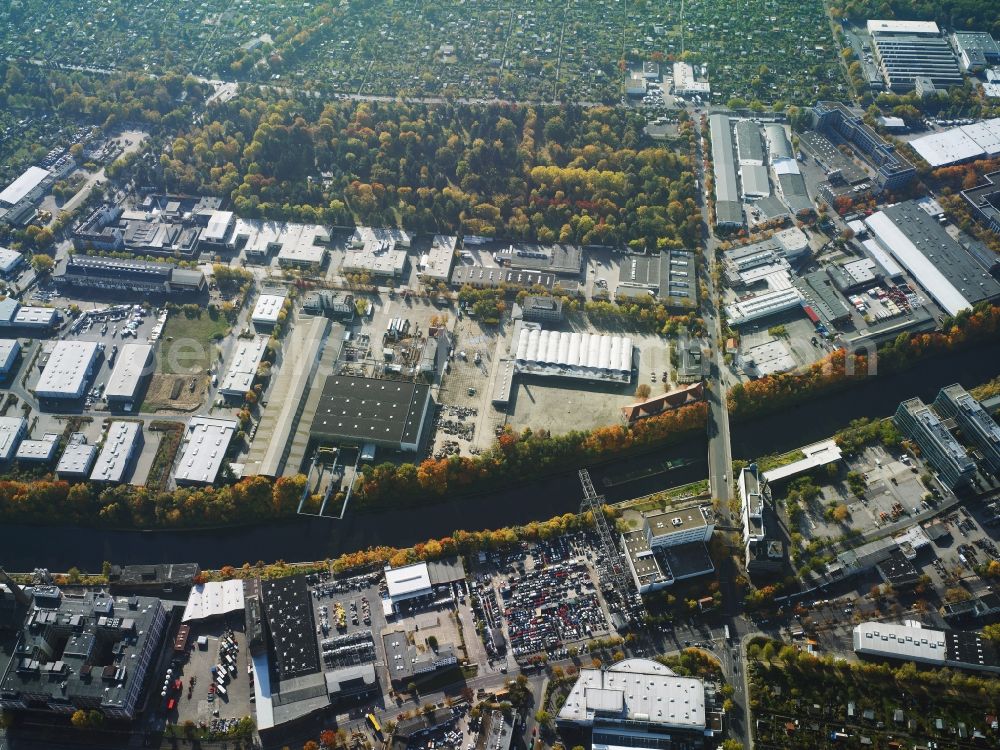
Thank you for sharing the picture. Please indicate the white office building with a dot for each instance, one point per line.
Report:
(121, 443)
(127, 374)
(243, 366)
(12, 431)
(76, 461)
(268, 309)
(206, 441)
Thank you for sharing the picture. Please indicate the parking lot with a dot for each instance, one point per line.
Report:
(222, 657)
(549, 597)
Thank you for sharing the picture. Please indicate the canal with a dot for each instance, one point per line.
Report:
(60, 547)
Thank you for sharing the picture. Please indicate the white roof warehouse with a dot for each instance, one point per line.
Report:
(68, 369)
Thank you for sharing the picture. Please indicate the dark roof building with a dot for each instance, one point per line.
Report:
(289, 615)
(116, 274)
(89, 652)
(358, 410)
(984, 201)
(167, 578)
(898, 571)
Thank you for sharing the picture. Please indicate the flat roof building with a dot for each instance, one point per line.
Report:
(938, 446)
(28, 186)
(358, 410)
(76, 461)
(10, 261)
(89, 650)
(380, 252)
(243, 366)
(911, 641)
(542, 309)
(435, 265)
(267, 309)
(670, 275)
(820, 293)
(12, 431)
(487, 277)
(984, 202)
(728, 211)
(685, 83)
(976, 49)
(907, 50)
(763, 552)
(814, 456)
(404, 661)
(960, 144)
(131, 367)
(670, 546)
(978, 427)
(206, 441)
(68, 370)
(560, 259)
(121, 444)
(763, 305)
(749, 146)
(10, 349)
(637, 703)
(300, 246)
(38, 451)
(948, 271)
(127, 275)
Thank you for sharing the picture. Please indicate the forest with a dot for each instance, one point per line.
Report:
(568, 174)
(967, 15)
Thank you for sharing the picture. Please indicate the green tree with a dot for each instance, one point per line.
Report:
(42, 263)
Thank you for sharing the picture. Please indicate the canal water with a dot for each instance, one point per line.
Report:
(60, 547)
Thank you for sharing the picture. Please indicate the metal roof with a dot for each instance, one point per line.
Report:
(243, 366)
(205, 445)
(31, 178)
(116, 452)
(130, 366)
(65, 374)
(76, 460)
(408, 581)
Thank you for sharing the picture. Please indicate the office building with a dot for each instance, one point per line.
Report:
(10, 350)
(243, 366)
(386, 413)
(203, 450)
(638, 703)
(14, 315)
(133, 364)
(541, 309)
(949, 272)
(976, 424)
(907, 50)
(406, 662)
(670, 546)
(893, 171)
(983, 202)
(12, 432)
(764, 553)
(728, 211)
(91, 651)
(267, 310)
(76, 461)
(140, 277)
(938, 447)
(68, 370)
(122, 443)
(911, 641)
(815, 456)
(958, 145)
(297, 245)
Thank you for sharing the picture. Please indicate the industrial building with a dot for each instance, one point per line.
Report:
(335, 305)
(752, 308)
(637, 703)
(764, 553)
(267, 310)
(749, 146)
(976, 424)
(378, 252)
(358, 410)
(10, 261)
(839, 122)
(132, 365)
(938, 446)
(669, 275)
(983, 202)
(92, 651)
(980, 140)
(907, 50)
(18, 199)
(435, 265)
(487, 277)
(768, 261)
(148, 230)
(12, 432)
(126, 275)
(68, 370)
(14, 315)
(218, 228)
(821, 296)
(122, 443)
(976, 50)
(41, 451)
(76, 461)
(419, 580)
(948, 271)
(778, 145)
(297, 245)
(670, 546)
(203, 449)
(574, 355)
(770, 358)
(815, 456)
(685, 83)
(911, 641)
(10, 350)
(175, 579)
(214, 599)
(559, 259)
(728, 211)
(243, 367)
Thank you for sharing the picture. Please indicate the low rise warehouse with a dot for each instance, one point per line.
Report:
(68, 370)
(121, 445)
(128, 374)
(206, 441)
(243, 367)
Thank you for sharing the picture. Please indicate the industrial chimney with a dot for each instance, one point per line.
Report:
(19, 595)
